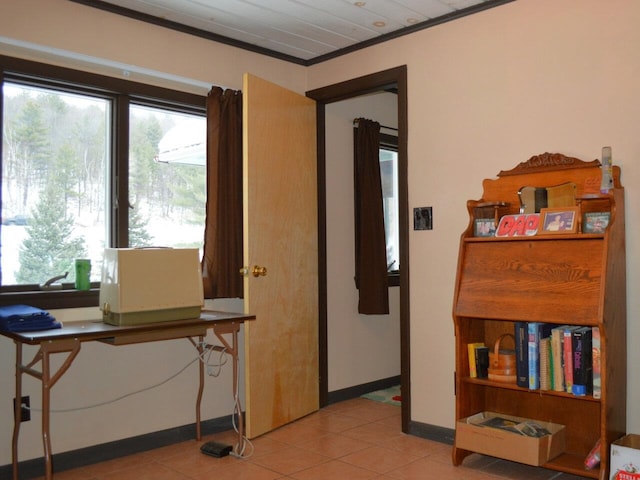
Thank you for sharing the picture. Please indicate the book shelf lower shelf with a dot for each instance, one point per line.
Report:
(573, 464)
(574, 423)
(512, 386)
(565, 462)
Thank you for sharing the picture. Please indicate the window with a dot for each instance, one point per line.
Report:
(389, 180)
(102, 163)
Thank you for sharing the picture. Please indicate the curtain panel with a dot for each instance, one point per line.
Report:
(371, 247)
(223, 242)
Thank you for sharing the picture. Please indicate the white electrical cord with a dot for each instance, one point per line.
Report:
(206, 353)
(206, 356)
(240, 447)
(122, 397)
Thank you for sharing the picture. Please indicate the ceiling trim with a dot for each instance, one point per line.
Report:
(144, 17)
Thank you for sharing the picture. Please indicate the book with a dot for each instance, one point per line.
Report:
(557, 339)
(482, 362)
(471, 352)
(567, 349)
(521, 336)
(545, 363)
(582, 366)
(595, 362)
(536, 331)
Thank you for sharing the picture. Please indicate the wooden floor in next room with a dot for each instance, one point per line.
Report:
(356, 439)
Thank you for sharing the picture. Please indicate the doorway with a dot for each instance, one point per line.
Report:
(394, 79)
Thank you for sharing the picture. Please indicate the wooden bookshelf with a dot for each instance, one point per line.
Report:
(562, 279)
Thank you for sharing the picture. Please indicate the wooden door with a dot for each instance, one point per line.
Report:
(281, 236)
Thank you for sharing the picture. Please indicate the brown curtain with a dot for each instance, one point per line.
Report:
(222, 257)
(371, 246)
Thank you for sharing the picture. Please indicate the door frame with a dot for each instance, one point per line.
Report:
(394, 78)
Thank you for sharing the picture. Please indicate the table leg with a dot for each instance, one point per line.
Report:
(72, 347)
(46, 414)
(17, 417)
(200, 348)
(240, 446)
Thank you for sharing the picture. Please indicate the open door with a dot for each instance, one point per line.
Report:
(280, 255)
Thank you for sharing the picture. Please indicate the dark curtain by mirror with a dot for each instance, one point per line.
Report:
(222, 258)
(371, 247)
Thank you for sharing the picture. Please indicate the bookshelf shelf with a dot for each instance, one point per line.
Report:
(574, 279)
(573, 464)
(536, 238)
(513, 386)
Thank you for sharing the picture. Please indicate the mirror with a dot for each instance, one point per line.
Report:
(532, 199)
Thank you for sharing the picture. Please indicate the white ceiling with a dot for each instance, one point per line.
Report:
(301, 31)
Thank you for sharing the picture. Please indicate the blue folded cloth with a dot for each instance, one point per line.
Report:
(24, 318)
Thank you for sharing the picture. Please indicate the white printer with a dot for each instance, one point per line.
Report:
(146, 285)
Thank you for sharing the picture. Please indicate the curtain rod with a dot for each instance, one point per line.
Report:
(357, 120)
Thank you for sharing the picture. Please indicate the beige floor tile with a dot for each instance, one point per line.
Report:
(334, 469)
(334, 445)
(149, 471)
(380, 460)
(289, 460)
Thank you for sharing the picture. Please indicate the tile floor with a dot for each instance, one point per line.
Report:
(356, 439)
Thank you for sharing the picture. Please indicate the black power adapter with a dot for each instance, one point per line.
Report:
(216, 449)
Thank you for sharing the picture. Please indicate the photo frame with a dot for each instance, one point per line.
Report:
(595, 222)
(560, 220)
(484, 227)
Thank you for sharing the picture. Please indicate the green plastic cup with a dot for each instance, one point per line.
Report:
(83, 274)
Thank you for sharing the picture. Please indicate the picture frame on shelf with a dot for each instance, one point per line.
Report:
(559, 220)
(484, 227)
(595, 222)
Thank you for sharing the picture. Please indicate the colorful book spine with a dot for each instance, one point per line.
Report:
(534, 355)
(521, 335)
(582, 366)
(595, 361)
(568, 358)
(536, 332)
(557, 339)
(471, 352)
(545, 363)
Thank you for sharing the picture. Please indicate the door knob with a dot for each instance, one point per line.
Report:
(259, 271)
(244, 271)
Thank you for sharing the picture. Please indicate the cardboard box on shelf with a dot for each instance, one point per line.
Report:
(512, 438)
(625, 458)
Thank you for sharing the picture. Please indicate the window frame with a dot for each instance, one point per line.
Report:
(123, 94)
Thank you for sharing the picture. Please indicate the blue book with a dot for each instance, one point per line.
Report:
(536, 331)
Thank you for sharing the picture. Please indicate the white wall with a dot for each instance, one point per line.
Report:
(485, 93)
(361, 348)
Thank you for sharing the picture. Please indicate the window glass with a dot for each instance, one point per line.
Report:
(54, 174)
(389, 180)
(56, 181)
(167, 178)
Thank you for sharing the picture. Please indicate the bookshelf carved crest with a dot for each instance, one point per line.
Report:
(546, 162)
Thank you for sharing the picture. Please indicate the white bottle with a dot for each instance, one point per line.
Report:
(606, 183)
